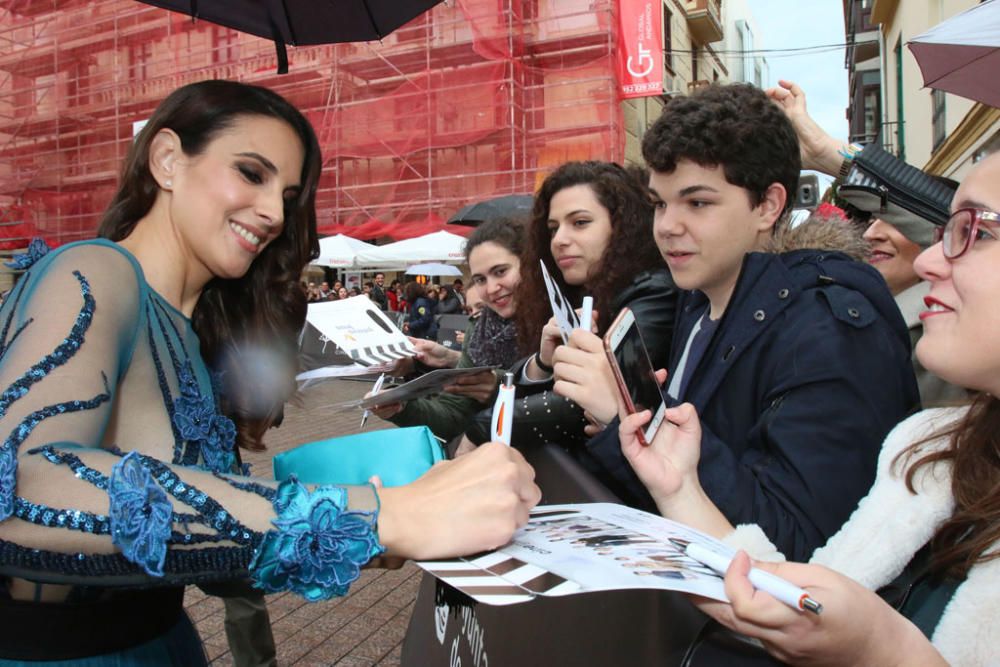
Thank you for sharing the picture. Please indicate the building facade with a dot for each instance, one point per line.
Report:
(942, 133)
(693, 30)
(474, 99)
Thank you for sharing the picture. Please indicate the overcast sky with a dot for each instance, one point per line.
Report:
(787, 24)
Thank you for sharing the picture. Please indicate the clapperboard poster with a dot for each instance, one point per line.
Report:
(360, 330)
(562, 310)
(567, 549)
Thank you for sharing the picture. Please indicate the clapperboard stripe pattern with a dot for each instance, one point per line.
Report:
(380, 354)
(498, 579)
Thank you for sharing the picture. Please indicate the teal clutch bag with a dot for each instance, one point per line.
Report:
(398, 456)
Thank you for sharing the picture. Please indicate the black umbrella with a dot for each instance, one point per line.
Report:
(508, 206)
(304, 22)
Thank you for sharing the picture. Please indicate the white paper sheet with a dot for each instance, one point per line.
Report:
(566, 549)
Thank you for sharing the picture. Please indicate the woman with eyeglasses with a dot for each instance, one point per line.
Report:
(914, 575)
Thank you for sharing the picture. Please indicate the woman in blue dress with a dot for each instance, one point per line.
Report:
(125, 372)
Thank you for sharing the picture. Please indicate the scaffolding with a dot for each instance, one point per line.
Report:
(476, 98)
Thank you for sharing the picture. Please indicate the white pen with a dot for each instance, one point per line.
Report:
(376, 388)
(586, 312)
(780, 589)
(503, 410)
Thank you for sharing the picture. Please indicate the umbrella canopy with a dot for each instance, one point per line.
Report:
(433, 269)
(304, 22)
(436, 247)
(962, 54)
(340, 250)
(508, 206)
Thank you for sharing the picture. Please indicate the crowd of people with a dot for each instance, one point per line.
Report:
(794, 428)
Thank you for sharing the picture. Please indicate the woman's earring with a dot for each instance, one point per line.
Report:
(167, 184)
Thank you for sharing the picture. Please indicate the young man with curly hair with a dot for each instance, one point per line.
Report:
(795, 356)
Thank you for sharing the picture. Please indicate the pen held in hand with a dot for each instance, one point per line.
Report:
(503, 411)
(587, 313)
(376, 388)
(780, 589)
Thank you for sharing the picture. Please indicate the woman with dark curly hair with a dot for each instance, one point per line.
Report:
(119, 481)
(592, 227)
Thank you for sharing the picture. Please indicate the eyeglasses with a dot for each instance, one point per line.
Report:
(964, 228)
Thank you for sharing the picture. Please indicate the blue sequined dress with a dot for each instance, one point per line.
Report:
(117, 471)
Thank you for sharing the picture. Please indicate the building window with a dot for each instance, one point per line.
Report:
(668, 40)
(694, 64)
(937, 118)
(872, 113)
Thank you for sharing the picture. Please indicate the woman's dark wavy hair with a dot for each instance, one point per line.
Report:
(735, 126)
(413, 291)
(266, 308)
(624, 193)
(968, 537)
(505, 232)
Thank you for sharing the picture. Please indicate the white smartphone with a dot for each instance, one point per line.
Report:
(634, 372)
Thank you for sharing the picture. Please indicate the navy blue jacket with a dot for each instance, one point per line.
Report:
(422, 323)
(807, 372)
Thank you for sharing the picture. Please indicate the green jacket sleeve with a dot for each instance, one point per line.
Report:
(447, 415)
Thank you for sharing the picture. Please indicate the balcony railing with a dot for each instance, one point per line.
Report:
(704, 20)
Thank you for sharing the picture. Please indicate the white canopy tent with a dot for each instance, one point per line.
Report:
(340, 251)
(436, 247)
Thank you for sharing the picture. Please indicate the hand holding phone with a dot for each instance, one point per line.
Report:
(634, 372)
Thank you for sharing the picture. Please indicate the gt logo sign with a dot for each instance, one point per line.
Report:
(640, 48)
(644, 55)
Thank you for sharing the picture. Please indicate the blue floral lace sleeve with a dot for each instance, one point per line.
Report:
(319, 546)
(175, 513)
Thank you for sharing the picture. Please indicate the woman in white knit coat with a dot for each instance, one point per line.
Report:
(935, 504)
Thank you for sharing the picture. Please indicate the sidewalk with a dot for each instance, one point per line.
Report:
(362, 629)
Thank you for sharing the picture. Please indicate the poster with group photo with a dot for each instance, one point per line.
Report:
(567, 549)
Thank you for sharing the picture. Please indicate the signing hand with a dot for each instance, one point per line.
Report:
(479, 387)
(583, 374)
(460, 507)
(819, 150)
(856, 627)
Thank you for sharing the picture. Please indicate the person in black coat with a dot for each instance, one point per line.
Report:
(420, 322)
(796, 360)
(591, 226)
(377, 293)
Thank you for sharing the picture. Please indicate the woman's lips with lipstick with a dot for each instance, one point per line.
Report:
(568, 260)
(934, 307)
(879, 256)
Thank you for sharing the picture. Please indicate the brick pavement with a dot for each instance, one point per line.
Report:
(362, 629)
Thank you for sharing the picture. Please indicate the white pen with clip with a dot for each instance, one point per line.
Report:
(780, 589)
(376, 388)
(503, 410)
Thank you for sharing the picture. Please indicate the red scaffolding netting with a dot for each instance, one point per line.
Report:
(474, 99)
